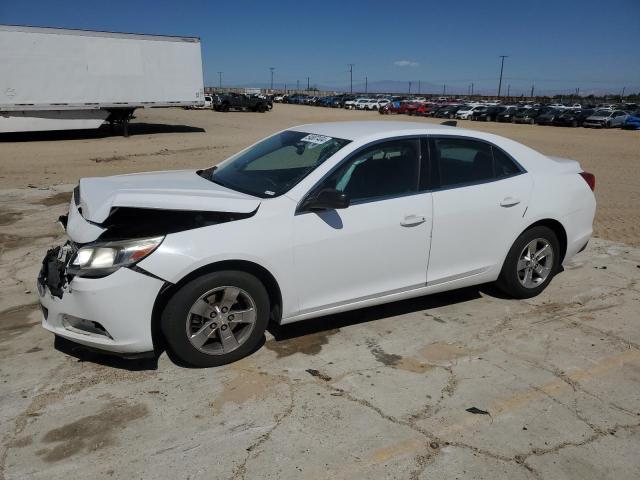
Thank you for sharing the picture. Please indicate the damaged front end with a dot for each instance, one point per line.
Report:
(53, 273)
(127, 235)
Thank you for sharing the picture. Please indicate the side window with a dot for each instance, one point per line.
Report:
(462, 161)
(505, 166)
(386, 169)
(459, 161)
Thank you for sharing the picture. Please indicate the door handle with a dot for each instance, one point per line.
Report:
(509, 202)
(411, 220)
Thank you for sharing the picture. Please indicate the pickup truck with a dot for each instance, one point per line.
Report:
(240, 101)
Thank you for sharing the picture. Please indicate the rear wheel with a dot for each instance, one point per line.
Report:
(530, 264)
(216, 319)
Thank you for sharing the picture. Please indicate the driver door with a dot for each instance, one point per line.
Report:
(379, 244)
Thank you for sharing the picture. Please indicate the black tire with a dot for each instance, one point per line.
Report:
(574, 123)
(173, 319)
(225, 107)
(509, 282)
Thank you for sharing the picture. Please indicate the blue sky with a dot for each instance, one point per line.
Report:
(559, 45)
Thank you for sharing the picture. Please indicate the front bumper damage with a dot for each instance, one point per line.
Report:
(111, 313)
(114, 312)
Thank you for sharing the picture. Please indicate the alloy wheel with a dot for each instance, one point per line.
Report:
(535, 263)
(221, 320)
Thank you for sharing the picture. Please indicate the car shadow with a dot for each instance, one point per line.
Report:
(378, 312)
(103, 132)
(85, 354)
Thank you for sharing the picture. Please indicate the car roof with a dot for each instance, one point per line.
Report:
(360, 130)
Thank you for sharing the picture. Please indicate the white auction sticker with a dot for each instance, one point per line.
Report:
(317, 139)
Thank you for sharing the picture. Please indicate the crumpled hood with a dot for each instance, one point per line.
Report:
(168, 190)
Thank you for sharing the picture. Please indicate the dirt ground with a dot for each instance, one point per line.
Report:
(462, 385)
(173, 138)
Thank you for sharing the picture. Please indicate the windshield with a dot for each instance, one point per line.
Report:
(276, 164)
(602, 113)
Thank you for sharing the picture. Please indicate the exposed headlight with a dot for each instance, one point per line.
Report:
(101, 259)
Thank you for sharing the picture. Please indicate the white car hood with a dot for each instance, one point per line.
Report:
(169, 190)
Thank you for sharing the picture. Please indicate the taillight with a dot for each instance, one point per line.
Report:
(590, 178)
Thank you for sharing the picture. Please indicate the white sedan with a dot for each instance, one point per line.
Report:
(466, 111)
(314, 220)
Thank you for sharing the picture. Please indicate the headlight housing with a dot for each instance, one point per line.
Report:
(101, 259)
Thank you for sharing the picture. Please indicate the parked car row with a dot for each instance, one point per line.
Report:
(571, 115)
(224, 102)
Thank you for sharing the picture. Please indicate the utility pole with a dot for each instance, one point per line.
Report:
(508, 90)
(297, 84)
(308, 83)
(272, 69)
(220, 79)
(366, 84)
(351, 76)
(444, 89)
(501, 69)
(472, 89)
(409, 87)
(622, 96)
(532, 88)
(419, 87)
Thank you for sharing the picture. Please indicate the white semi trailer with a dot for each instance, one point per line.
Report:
(58, 79)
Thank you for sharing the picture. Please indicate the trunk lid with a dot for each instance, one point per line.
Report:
(566, 165)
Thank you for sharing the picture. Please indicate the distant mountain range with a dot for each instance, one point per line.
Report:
(402, 87)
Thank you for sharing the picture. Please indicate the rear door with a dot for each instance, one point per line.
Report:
(479, 197)
(618, 118)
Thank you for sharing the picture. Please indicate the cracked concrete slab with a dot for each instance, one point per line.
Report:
(376, 393)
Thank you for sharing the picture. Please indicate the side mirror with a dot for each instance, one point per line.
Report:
(327, 199)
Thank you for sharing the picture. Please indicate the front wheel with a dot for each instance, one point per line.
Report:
(216, 319)
(531, 263)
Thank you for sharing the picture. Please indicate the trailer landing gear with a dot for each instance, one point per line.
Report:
(122, 117)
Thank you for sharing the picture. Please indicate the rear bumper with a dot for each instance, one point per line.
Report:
(579, 228)
(121, 304)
